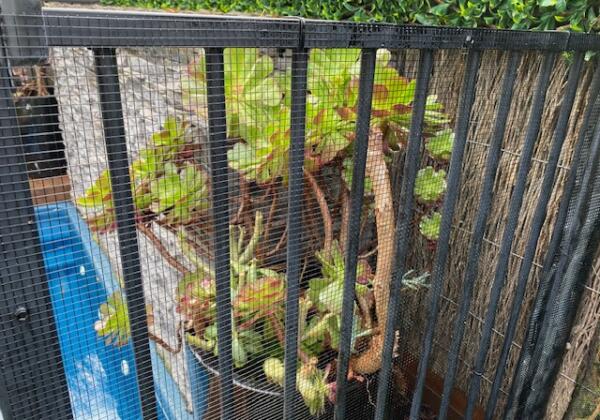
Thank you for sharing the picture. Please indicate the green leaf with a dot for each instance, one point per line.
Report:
(440, 145)
(430, 184)
(423, 19)
(238, 352)
(430, 226)
(99, 194)
(113, 320)
(167, 189)
(267, 93)
(315, 286)
(266, 158)
(274, 370)
(348, 173)
(331, 297)
(440, 9)
(252, 342)
(172, 133)
(178, 193)
(334, 331)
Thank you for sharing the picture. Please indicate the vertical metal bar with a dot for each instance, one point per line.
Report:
(525, 358)
(365, 92)
(406, 204)
(107, 76)
(217, 132)
(32, 378)
(491, 165)
(454, 174)
(294, 223)
(537, 223)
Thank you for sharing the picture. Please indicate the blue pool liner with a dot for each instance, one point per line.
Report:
(101, 378)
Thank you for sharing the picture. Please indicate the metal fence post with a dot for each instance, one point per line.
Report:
(23, 32)
(294, 223)
(217, 131)
(30, 359)
(118, 163)
(365, 94)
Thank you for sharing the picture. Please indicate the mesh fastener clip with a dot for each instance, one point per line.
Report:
(21, 314)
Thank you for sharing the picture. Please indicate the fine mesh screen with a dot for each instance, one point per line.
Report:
(181, 209)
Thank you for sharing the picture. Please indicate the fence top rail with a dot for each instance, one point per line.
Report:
(70, 27)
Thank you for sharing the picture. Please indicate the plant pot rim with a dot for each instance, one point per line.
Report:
(202, 357)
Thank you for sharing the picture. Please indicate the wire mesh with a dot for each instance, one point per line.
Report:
(234, 226)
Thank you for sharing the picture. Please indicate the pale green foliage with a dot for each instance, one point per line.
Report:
(430, 184)
(430, 226)
(262, 157)
(258, 295)
(311, 382)
(163, 184)
(113, 322)
(179, 192)
(274, 370)
(258, 108)
(440, 145)
(252, 93)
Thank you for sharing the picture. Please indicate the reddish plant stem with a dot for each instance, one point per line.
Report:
(269, 222)
(164, 344)
(325, 214)
(279, 243)
(147, 231)
(345, 215)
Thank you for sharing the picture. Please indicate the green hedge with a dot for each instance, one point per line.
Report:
(575, 15)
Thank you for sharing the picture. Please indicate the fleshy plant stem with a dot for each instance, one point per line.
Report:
(377, 171)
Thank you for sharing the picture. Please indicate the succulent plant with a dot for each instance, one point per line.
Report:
(179, 193)
(113, 322)
(311, 382)
(440, 145)
(253, 93)
(430, 184)
(261, 297)
(170, 188)
(430, 226)
(162, 184)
